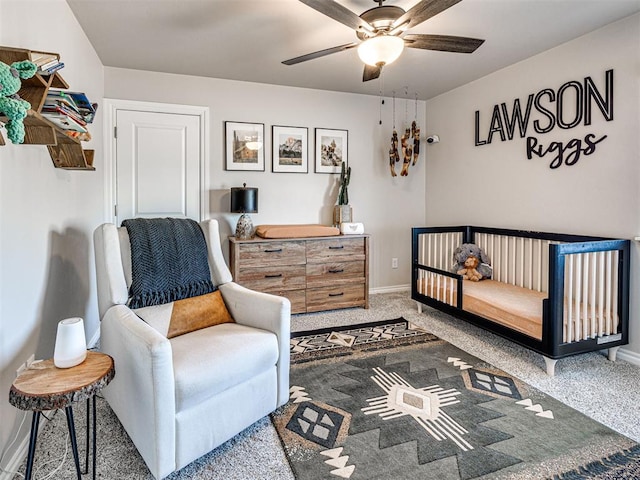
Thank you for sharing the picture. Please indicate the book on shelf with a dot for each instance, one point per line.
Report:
(51, 70)
(42, 58)
(61, 108)
(59, 97)
(86, 109)
(64, 121)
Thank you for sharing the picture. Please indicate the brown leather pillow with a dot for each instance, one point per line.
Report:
(187, 315)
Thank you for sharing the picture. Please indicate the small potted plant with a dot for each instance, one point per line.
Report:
(342, 211)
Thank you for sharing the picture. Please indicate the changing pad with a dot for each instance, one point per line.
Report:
(296, 231)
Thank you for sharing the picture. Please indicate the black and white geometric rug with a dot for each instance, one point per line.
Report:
(390, 401)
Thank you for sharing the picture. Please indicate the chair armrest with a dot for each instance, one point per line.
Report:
(268, 312)
(257, 309)
(142, 393)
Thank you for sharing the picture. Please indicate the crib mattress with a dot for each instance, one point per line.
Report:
(515, 307)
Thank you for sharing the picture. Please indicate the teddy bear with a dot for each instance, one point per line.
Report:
(11, 105)
(471, 262)
(470, 272)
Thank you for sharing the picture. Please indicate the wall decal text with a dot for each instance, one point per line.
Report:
(573, 104)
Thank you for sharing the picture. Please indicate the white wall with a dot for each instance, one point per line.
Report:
(495, 185)
(387, 206)
(47, 215)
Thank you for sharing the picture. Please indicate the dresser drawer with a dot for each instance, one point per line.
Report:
(334, 273)
(335, 249)
(329, 298)
(261, 254)
(298, 299)
(267, 279)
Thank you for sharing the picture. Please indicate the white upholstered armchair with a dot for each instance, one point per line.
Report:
(179, 398)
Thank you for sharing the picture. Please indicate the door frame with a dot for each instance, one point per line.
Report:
(112, 106)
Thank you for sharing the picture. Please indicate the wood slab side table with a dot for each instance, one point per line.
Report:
(45, 387)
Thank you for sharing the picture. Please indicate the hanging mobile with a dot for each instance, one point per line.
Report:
(407, 149)
(393, 151)
(415, 132)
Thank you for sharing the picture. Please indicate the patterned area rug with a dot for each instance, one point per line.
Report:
(388, 400)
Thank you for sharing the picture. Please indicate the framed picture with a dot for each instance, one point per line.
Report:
(332, 147)
(244, 146)
(290, 149)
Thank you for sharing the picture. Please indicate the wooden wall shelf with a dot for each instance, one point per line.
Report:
(66, 152)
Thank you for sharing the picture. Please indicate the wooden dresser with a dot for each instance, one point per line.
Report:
(315, 274)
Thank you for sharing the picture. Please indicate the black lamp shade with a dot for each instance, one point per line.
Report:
(244, 199)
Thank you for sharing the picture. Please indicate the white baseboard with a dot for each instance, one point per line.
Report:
(392, 289)
(629, 356)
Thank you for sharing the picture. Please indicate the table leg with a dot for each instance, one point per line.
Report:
(94, 437)
(86, 458)
(32, 444)
(74, 443)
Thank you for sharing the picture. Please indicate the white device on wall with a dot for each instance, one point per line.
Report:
(433, 139)
(71, 344)
(350, 228)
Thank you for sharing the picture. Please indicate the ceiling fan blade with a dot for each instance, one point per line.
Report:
(320, 53)
(422, 11)
(371, 73)
(339, 13)
(443, 43)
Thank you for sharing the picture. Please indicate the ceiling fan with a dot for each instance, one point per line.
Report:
(381, 31)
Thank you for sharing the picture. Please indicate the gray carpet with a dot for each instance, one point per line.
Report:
(603, 390)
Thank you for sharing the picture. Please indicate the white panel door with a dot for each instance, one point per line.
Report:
(158, 163)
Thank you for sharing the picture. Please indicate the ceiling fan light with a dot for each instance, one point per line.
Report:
(381, 49)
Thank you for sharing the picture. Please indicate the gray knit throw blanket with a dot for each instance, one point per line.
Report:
(169, 261)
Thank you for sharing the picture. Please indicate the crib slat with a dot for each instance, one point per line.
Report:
(600, 293)
(504, 251)
(511, 241)
(578, 290)
(597, 325)
(568, 285)
(585, 297)
(608, 321)
(539, 270)
(530, 264)
(616, 319)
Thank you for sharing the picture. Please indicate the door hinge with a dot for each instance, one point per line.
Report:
(115, 210)
(115, 132)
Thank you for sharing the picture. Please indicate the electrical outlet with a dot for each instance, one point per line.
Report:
(394, 263)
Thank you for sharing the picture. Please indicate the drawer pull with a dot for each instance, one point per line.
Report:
(340, 247)
(336, 294)
(275, 275)
(273, 250)
(337, 270)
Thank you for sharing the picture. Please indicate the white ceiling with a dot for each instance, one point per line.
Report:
(248, 39)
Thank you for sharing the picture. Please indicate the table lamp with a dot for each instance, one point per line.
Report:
(71, 343)
(244, 200)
